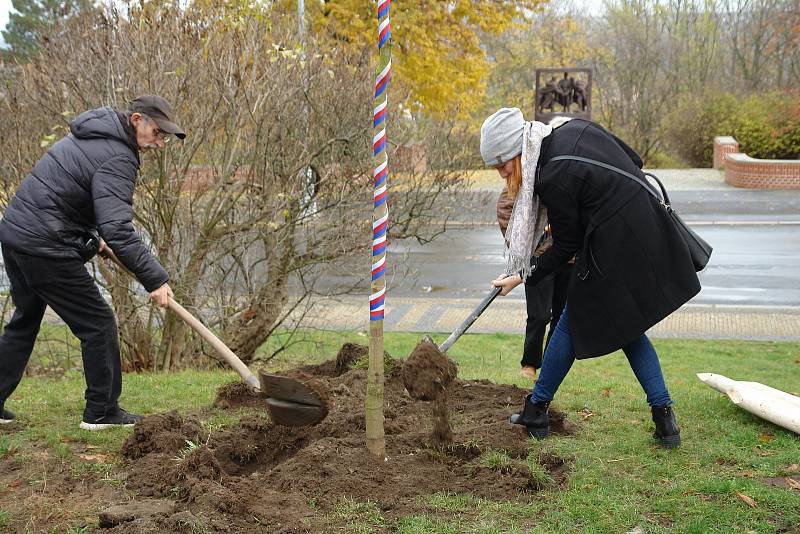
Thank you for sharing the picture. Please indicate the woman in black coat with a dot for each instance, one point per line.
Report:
(632, 267)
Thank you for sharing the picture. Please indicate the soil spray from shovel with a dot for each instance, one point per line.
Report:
(290, 402)
(428, 372)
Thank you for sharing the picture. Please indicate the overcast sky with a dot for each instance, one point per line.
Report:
(5, 6)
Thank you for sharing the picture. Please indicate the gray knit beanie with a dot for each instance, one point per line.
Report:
(501, 136)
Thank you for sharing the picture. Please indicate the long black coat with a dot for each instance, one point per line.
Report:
(633, 268)
(82, 186)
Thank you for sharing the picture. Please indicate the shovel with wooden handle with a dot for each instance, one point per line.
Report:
(290, 402)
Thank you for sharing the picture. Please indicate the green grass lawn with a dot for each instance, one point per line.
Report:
(619, 479)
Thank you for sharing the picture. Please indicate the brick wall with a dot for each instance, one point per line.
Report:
(723, 145)
(743, 171)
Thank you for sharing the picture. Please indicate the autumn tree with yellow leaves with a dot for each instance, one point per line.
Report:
(555, 37)
(438, 61)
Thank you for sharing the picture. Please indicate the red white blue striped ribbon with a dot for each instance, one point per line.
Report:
(380, 173)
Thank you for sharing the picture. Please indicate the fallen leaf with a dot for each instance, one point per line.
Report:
(93, 457)
(792, 468)
(766, 437)
(748, 473)
(792, 483)
(607, 393)
(747, 500)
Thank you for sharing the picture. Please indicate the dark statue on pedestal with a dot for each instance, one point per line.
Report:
(569, 96)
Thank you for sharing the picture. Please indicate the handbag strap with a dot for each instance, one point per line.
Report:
(663, 199)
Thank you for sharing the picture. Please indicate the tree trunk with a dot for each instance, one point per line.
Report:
(373, 403)
(174, 341)
(253, 326)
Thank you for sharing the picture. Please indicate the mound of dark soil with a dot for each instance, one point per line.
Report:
(258, 477)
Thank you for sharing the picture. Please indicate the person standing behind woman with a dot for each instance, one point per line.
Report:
(544, 301)
(632, 266)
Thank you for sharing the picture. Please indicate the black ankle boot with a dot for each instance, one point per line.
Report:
(667, 430)
(533, 418)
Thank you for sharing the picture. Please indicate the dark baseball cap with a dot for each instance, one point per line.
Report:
(160, 111)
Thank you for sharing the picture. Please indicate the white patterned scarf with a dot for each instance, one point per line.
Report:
(529, 217)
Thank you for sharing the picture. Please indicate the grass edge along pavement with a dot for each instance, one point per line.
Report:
(619, 478)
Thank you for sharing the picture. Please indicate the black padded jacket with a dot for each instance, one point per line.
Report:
(82, 187)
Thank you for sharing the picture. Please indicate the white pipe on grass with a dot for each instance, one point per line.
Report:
(768, 403)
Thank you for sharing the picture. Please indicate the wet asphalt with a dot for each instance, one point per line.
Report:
(755, 235)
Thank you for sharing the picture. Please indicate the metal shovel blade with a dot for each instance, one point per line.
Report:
(291, 402)
(428, 339)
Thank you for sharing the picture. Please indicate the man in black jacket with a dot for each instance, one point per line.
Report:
(76, 202)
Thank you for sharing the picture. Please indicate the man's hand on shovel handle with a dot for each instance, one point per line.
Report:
(162, 295)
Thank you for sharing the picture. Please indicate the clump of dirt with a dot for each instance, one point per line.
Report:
(238, 394)
(257, 476)
(198, 463)
(428, 372)
(442, 432)
(162, 433)
(348, 355)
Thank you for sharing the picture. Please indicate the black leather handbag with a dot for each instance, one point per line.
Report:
(699, 249)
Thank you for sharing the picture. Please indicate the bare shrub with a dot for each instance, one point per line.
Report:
(252, 238)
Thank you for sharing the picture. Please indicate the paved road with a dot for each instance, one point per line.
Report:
(755, 235)
(753, 265)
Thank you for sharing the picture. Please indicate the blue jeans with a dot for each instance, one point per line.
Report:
(560, 355)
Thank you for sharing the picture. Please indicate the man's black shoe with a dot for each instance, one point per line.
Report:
(117, 419)
(6, 417)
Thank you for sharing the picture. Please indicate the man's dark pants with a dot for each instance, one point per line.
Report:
(67, 287)
(545, 301)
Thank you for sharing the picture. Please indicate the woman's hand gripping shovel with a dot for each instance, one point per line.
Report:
(290, 402)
